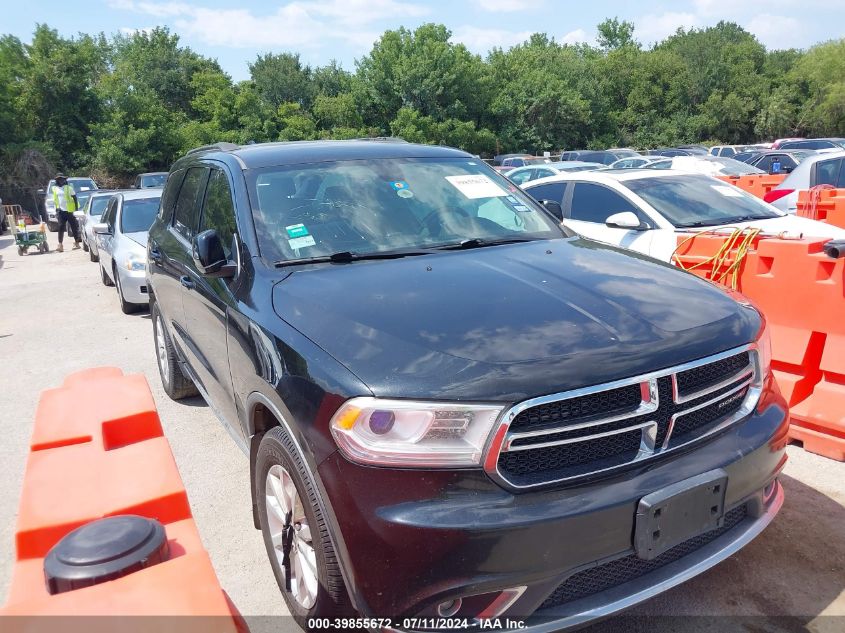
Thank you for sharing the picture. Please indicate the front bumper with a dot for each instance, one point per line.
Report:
(134, 285)
(410, 540)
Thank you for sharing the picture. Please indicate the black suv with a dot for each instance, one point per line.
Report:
(452, 407)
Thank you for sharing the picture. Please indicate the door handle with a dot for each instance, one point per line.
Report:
(155, 256)
(186, 281)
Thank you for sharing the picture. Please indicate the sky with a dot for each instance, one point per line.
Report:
(235, 32)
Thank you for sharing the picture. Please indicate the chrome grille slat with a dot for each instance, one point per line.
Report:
(662, 404)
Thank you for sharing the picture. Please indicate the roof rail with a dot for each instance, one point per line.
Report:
(383, 139)
(225, 147)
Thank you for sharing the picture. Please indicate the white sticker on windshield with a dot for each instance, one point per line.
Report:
(476, 186)
(301, 242)
(727, 190)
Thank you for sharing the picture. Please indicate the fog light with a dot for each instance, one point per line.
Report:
(449, 608)
(381, 422)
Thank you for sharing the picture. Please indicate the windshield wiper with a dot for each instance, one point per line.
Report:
(476, 242)
(344, 257)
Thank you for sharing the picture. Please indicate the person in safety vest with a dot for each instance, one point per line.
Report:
(66, 203)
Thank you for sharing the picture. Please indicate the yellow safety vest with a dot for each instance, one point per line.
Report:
(63, 198)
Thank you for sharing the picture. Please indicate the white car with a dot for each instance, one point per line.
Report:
(637, 162)
(121, 237)
(521, 175)
(821, 169)
(702, 164)
(645, 210)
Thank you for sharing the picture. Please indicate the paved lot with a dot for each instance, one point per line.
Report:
(56, 317)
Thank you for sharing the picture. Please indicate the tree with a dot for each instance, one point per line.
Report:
(281, 78)
(613, 34)
(423, 70)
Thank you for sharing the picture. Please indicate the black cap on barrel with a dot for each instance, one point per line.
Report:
(104, 550)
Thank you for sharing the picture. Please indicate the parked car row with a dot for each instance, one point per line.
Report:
(114, 225)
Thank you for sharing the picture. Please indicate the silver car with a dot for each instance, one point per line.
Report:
(121, 237)
(89, 216)
(826, 168)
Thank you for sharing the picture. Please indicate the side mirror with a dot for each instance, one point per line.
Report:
(554, 208)
(625, 220)
(209, 257)
(101, 228)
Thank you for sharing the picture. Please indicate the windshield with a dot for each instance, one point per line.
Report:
(372, 206)
(153, 180)
(82, 184)
(700, 200)
(536, 161)
(98, 205)
(137, 215)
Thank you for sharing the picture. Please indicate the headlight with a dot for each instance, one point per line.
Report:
(764, 350)
(133, 263)
(413, 434)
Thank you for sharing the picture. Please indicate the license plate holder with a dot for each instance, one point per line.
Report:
(679, 512)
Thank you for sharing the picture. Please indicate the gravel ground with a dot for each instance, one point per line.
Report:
(56, 317)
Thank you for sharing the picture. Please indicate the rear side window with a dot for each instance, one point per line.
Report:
(829, 172)
(186, 215)
(219, 211)
(552, 191)
(171, 190)
(594, 203)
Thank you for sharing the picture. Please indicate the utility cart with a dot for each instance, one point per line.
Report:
(26, 232)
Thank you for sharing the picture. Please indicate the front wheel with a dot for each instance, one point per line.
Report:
(173, 380)
(296, 535)
(125, 306)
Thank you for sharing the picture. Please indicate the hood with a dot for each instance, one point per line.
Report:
(795, 225)
(139, 238)
(509, 322)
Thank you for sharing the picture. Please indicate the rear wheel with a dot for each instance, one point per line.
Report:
(92, 257)
(295, 533)
(175, 383)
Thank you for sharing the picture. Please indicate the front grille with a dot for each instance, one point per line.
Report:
(571, 437)
(698, 378)
(617, 572)
(595, 404)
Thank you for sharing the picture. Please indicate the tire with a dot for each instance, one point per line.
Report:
(21, 250)
(45, 247)
(327, 596)
(175, 383)
(125, 306)
(52, 227)
(105, 277)
(85, 246)
(92, 257)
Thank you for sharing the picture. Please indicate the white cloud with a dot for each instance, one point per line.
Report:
(128, 30)
(296, 24)
(576, 37)
(779, 31)
(481, 40)
(506, 6)
(656, 27)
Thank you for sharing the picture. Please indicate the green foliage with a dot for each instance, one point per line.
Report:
(116, 106)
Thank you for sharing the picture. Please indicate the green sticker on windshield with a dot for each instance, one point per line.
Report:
(296, 230)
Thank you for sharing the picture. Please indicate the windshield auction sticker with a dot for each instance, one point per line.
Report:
(475, 186)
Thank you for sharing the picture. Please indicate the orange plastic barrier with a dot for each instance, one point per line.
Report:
(800, 290)
(825, 205)
(756, 184)
(98, 450)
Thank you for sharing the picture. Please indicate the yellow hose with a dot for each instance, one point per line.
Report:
(739, 240)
